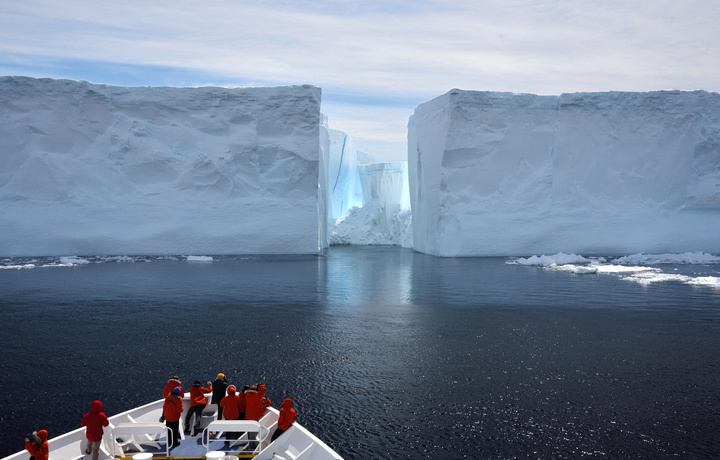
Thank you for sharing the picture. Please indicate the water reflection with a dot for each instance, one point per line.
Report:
(380, 275)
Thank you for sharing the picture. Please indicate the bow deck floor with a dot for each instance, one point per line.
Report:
(191, 448)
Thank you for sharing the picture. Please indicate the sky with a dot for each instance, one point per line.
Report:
(375, 60)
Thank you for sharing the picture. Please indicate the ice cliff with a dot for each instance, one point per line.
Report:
(96, 169)
(344, 188)
(368, 202)
(91, 169)
(610, 173)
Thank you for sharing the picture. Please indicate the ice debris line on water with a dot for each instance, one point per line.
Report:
(640, 268)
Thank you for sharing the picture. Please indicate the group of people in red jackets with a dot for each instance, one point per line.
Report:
(248, 404)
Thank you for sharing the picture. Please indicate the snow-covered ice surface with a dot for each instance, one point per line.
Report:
(640, 268)
(97, 169)
(587, 173)
(370, 225)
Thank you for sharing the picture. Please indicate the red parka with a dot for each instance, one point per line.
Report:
(94, 421)
(173, 408)
(254, 409)
(39, 449)
(232, 404)
(197, 395)
(287, 415)
(172, 383)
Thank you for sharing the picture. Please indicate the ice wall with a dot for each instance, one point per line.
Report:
(344, 189)
(611, 173)
(387, 182)
(385, 186)
(96, 169)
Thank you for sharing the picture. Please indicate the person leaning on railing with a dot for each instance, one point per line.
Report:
(286, 419)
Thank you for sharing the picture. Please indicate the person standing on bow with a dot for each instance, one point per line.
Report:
(254, 408)
(94, 421)
(172, 408)
(232, 404)
(286, 419)
(197, 404)
(219, 389)
(39, 447)
(173, 383)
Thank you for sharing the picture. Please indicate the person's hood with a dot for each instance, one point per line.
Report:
(96, 406)
(231, 390)
(42, 434)
(287, 404)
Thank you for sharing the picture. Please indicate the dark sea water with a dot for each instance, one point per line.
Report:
(387, 353)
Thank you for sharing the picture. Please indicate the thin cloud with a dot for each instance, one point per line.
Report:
(412, 50)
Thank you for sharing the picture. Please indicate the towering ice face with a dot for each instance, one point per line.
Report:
(344, 189)
(507, 174)
(95, 169)
(385, 186)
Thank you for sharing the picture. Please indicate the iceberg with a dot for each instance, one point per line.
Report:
(504, 174)
(384, 218)
(368, 202)
(344, 190)
(93, 169)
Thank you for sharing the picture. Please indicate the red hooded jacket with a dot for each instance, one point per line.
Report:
(94, 421)
(232, 404)
(287, 415)
(172, 383)
(173, 408)
(197, 395)
(39, 449)
(254, 409)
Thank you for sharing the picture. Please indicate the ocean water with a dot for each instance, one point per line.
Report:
(387, 353)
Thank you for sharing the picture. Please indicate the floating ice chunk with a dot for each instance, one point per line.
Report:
(641, 274)
(616, 269)
(658, 259)
(655, 277)
(118, 259)
(73, 260)
(557, 259)
(712, 281)
(577, 269)
(199, 259)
